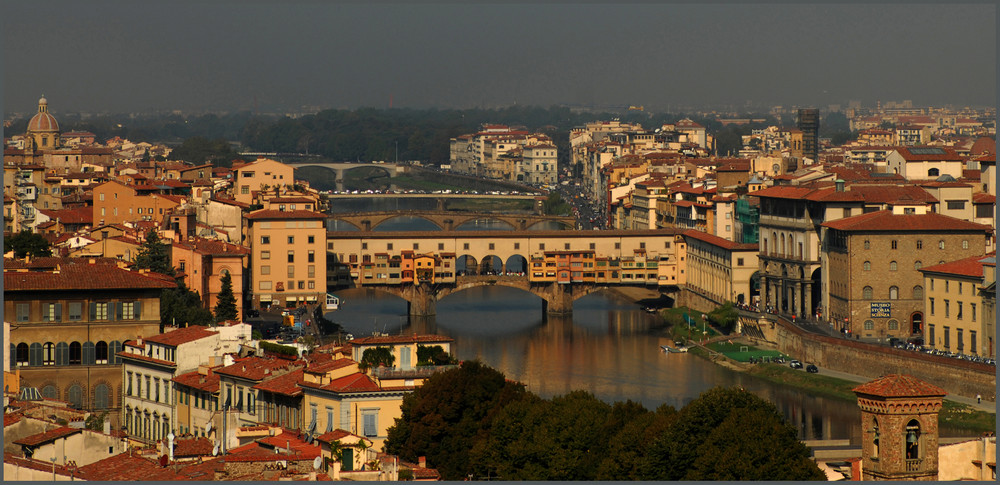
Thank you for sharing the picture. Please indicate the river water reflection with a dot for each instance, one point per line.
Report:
(608, 347)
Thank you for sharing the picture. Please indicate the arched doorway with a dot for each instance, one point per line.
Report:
(917, 323)
(817, 294)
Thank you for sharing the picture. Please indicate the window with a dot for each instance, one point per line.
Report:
(920, 244)
(917, 265)
(869, 325)
(23, 312)
(75, 353)
(48, 353)
(291, 256)
(364, 246)
(22, 354)
(99, 310)
(959, 287)
(868, 244)
(291, 239)
(311, 239)
(958, 314)
(956, 204)
(311, 271)
(265, 285)
(128, 310)
(972, 342)
(947, 337)
(866, 293)
(931, 300)
(245, 189)
(291, 271)
(965, 244)
(932, 284)
(933, 172)
(893, 325)
(930, 332)
(892, 266)
(941, 244)
(265, 239)
(441, 246)
(75, 311)
(972, 311)
(947, 308)
(416, 246)
(894, 244)
(868, 266)
(311, 257)
(739, 261)
(893, 293)
(265, 255)
(370, 417)
(265, 270)
(51, 312)
(918, 292)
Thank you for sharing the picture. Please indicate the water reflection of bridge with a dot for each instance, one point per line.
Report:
(449, 220)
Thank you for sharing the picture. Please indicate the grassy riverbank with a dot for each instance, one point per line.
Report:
(953, 413)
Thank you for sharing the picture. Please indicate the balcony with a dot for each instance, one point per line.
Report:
(913, 465)
(421, 371)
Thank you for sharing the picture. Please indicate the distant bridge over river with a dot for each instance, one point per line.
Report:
(449, 220)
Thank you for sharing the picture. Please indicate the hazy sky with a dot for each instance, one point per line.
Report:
(134, 56)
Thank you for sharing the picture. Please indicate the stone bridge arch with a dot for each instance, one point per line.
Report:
(447, 220)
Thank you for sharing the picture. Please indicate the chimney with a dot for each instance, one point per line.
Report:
(855, 469)
(839, 183)
(422, 461)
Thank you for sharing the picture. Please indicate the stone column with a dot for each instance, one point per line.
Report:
(798, 301)
(809, 301)
(560, 300)
(422, 301)
(763, 290)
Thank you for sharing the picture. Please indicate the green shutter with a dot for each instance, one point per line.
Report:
(138, 310)
(89, 353)
(62, 353)
(93, 311)
(115, 308)
(35, 354)
(58, 313)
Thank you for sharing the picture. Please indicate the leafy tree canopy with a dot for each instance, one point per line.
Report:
(27, 243)
(375, 357)
(433, 355)
(724, 317)
(443, 418)
(199, 150)
(183, 307)
(154, 255)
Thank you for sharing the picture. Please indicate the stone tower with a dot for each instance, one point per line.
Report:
(899, 428)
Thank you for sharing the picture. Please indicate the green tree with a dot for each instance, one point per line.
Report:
(154, 255)
(199, 150)
(376, 357)
(762, 445)
(95, 421)
(443, 418)
(724, 317)
(626, 457)
(183, 307)
(27, 243)
(433, 355)
(225, 308)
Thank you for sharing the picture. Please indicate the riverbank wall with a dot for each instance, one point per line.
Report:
(958, 377)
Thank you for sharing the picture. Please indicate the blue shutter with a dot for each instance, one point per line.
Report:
(113, 350)
(35, 354)
(93, 311)
(89, 353)
(138, 310)
(62, 353)
(58, 312)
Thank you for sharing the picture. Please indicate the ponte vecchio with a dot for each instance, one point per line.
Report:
(557, 266)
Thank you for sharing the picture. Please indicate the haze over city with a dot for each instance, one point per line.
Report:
(113, 56)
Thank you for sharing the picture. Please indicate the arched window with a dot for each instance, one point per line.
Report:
(868, 265)
(101, 394)
(868, 244)
(917, 265)
(782, 244)
(866, 293)
(48, 353)
(933, 172)
(893, 325)
(892, 266)
(893, 293)
(894, 244)
(102, 352)
(869, 325)
(875, 437)
(75, 353)
(965, 244)
(912, 440)
(75, 396)
(920, 244)
(918, 292)
(22, 354)
(50, 391)
(941, 244)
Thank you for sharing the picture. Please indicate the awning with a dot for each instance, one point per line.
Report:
(311, 299)
(265, 297)
(292, 298)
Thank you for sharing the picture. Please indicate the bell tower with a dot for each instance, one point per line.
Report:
(899, 428)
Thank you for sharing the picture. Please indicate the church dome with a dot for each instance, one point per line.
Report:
(43, 121)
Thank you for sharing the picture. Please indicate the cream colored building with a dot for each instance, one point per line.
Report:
(720, 269)
(254, 176)
(403, 347)
(287, 256)
(954, 308)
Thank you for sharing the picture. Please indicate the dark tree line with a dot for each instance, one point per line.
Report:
(472, 422)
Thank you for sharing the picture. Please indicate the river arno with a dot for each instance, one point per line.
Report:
(608, 347)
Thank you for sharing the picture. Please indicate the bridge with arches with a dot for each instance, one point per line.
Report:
(557, 266)
(391, 169)
(449, 220)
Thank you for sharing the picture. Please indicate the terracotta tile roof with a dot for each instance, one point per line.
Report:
(78, 274)
(337, 434)
(208, 382)
(290, 199)
(81, 215)
(180, 336)
(720, 242)
(983, 198)
(126, 467)
(947, 154)
(286, 384)
(401, 339)
(971, 267)
(885, 220)
(328, 365)
(264, 214)
(48, 436)
(39, 465)
(256, 451)
(899, 385)
(257, 368)
(194, 446)
(212, 246)
(10, 419)
(145, 358)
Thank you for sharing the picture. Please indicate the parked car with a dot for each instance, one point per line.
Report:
(795, 364)
(812, 369)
